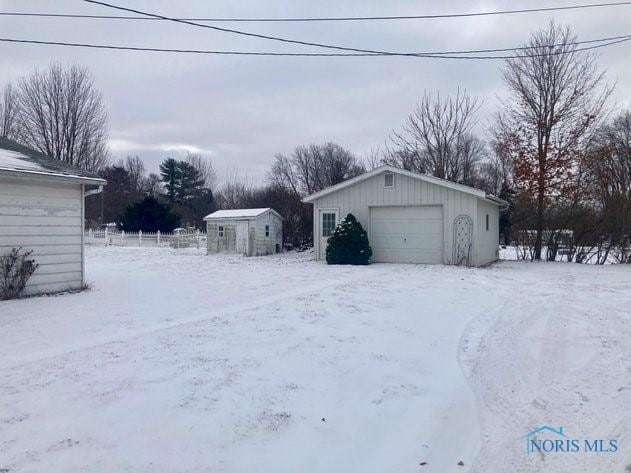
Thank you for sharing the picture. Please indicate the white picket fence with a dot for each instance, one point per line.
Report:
(108, 237)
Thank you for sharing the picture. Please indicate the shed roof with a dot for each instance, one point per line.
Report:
(423, 177)
(22, 161)
(239, 213)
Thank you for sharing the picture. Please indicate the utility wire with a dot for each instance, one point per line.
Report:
(339, 18)
(281, 54)
(255, 35)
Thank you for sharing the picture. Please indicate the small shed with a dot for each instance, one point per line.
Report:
(250, 232)
(412, 217)
(42, 210)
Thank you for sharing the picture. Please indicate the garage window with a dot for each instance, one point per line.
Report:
(220, 231)
(388, 179)
(487, 222)
(328, 223)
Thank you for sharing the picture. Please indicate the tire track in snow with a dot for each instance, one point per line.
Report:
(523, 379)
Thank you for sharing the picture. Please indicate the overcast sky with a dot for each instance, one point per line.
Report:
(240, 111)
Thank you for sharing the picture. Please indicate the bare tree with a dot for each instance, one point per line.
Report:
(234, 190)
(312, 168)
(136, 169)
(152, 185)
(557, 96)
(373, 159)
(205, 168)
(62, 114)
(8, 112)
(437, 138)
(609, 164)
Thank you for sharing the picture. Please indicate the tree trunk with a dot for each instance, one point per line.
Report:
(540, 215)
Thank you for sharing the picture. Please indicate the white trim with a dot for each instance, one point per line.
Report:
(51, 176)
(423, 177)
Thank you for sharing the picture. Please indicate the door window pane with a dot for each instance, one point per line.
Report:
(328, 223)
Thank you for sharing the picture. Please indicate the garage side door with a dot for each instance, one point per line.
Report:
(407, 234)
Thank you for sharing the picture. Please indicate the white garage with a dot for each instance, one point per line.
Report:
(412, 218)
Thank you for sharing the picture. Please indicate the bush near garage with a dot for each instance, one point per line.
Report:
(348, 244)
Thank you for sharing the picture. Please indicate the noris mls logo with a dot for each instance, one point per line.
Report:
(546, 439)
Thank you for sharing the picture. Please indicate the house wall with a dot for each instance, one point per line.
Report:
(357, 199)
(487, 249)
(267, 245)
(225, 244)
(45, 217)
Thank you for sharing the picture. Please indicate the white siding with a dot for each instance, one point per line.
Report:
(359, 198)
(487, 249)
(267, 245)
(47, 218)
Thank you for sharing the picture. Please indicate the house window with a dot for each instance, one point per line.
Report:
(388, 179)
(220, 231)
(266, 230)
(328, 223)
(487, 222)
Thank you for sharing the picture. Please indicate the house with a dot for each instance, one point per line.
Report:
(412, 218)
(42, 209)
(245, 231)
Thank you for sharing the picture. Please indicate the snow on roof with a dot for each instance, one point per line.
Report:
(18, 159)
(237, 213)
(14, 160)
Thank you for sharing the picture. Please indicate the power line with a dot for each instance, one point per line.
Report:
(254, 35)
(339, 18)
(429, 55)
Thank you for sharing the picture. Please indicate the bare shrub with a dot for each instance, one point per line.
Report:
(15, 270)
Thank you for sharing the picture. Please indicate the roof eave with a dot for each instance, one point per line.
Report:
(241, 217)
(48, 176)
(497, 201)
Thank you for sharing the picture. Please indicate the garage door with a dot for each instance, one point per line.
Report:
(407, 234)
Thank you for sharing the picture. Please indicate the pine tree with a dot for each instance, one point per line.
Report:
(171, 176)
(349, 243)
(191, 182)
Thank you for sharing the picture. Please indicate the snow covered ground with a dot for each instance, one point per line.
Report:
(180, 362)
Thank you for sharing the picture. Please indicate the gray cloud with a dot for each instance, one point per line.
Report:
(240, 111)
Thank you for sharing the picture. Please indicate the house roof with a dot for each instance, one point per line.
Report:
(22, 161)
(239, 213)
(423, 177)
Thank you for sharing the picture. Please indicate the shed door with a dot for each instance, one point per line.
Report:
(407, 234)
(241, 230)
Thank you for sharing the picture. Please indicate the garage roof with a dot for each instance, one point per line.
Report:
(239, 213)
(423, 177)
(22, 161)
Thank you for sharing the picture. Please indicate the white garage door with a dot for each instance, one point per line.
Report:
(407, 234)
